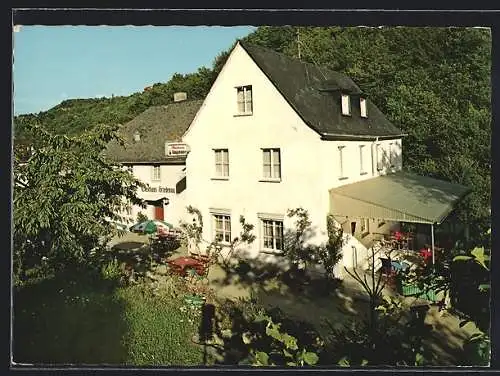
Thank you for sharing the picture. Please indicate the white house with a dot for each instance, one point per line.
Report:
(275, 133)
(152, 152)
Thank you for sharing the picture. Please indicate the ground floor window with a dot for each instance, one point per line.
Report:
(273, 234)
(222, 228)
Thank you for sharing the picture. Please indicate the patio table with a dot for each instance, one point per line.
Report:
(181, 264)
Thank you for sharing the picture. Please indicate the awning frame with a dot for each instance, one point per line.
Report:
(352, 202)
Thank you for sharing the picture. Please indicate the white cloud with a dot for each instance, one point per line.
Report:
(17, 28)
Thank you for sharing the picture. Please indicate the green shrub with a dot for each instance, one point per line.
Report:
(141, 217)
(160, 329)
(111, 271)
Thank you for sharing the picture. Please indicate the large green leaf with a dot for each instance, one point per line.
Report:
(462, 258)
(480, 257)
(310, 358)
(262, 358)
(484, 287)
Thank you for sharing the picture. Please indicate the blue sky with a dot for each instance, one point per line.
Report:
(54, 63)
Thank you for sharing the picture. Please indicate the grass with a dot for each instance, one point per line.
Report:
(87, 320)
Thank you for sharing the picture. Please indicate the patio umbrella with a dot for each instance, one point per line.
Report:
(150, 226)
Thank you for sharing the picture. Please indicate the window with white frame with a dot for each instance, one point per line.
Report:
(272, 231)
(222, 228)
(244, 99)
(346, 104)
(378, 155)
(362, 107)
(155, 173)
(271, 164)
(341, 162)
(221, 163)
(365, 226)
(361, 159)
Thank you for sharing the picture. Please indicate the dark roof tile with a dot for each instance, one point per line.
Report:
(314, 93)
(156, 125)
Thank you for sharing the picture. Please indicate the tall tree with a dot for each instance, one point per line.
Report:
(65, 196)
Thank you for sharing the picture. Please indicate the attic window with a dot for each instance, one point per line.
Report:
(362, 107)
(244, 100)
(137, 137)
(346, 104)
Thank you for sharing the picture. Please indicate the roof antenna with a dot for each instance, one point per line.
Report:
(298, 42)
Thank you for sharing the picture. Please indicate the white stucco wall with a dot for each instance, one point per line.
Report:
(309, 166)
(272, 125)
(169, 176)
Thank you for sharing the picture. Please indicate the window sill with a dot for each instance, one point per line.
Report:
(364, 173)
(344, 178)
(270, 180)
(219, 178)
(224, 244)
(155, 180)
(273, 252)
(243, 114)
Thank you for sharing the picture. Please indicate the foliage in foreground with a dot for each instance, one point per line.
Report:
(299, 251)
(65, 197)
(284, 351)
(83, 319)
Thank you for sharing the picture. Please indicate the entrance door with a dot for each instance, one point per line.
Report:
(159, 211)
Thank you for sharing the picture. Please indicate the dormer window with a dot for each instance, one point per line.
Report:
(346, 104)
(362, 107)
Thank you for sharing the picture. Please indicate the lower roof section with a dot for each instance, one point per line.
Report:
(400, 196)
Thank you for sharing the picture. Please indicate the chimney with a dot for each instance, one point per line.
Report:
(180, 96)
(137, 136)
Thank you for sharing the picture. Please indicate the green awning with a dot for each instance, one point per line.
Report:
(399, 196)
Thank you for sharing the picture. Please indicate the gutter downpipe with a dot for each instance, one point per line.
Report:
(373, 168)
(432, 245)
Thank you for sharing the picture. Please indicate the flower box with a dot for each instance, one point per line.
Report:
(414, 290)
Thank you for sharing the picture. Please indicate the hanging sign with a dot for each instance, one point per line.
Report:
(175, 149)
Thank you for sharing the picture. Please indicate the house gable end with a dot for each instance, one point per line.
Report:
(236, 54)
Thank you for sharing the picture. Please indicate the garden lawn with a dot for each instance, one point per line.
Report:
(85, 320)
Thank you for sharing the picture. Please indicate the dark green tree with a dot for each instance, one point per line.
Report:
(65, 197)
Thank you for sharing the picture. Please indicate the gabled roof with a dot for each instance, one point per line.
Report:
(156, 125)
(314, 93)
(400, 196)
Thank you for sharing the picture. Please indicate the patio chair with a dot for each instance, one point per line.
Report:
(387, 271)
(386, 268)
